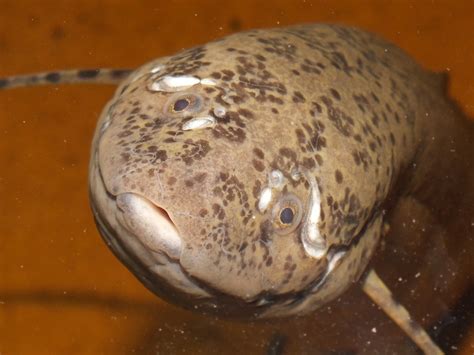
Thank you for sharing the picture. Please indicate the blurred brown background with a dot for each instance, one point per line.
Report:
(61, 289)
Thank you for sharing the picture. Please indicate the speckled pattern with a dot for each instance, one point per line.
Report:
(97, 76)
(341, 104)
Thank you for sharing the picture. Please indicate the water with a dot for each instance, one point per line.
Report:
(62, 290)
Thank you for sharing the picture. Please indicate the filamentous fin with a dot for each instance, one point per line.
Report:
(105, 76)
(376, 289)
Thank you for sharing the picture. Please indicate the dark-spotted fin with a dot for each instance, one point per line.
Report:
(89, 76)
(375, 288)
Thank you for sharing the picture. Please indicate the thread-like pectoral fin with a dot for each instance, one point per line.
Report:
(103, 76)
(376, 289)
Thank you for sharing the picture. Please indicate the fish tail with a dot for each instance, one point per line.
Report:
(105, 76)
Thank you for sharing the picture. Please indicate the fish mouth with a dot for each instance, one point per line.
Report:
(143, 236)
(150, 223)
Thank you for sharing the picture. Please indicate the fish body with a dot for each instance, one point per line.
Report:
(327, 124)
(257, 175)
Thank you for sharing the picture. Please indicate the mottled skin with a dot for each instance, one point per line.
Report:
(349, 108)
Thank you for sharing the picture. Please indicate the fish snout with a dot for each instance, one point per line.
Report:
(150, 223)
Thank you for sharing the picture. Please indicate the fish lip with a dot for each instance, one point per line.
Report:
(150, 223)
(115, 244)
(133, 253)
(156, 283)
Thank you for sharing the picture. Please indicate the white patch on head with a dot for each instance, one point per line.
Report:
(174, 83)
(208, 82)
(199, 123)
(219, 111)
(265, 199)
(313, 242)
(170, 83)
(276, 179)
(295, 174)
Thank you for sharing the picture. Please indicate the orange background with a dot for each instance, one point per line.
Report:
(61, 289)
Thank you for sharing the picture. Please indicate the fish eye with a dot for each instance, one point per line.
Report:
(287, 214)
(183, 104)
(180, 105)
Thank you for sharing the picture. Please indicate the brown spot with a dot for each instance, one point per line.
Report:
(125, 157)
(200, 177)
(392, 138)
(209, 90)
(217, 191)
(224, 176)
(356, 157)
(161, 155)
(269, 261)
(339, 177)
(372, 146)
(243, 246)
(259, 153)
(218, 211)
(288, 153)
(258, 165)
(319, 159)
(335, 94)
(309, 163)
(124, 134)
(298, 97)
(246, 113)
(228, 74)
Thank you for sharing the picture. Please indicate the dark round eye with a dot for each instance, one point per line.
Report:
(183, 105)
(286, 215)
(180, 105)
